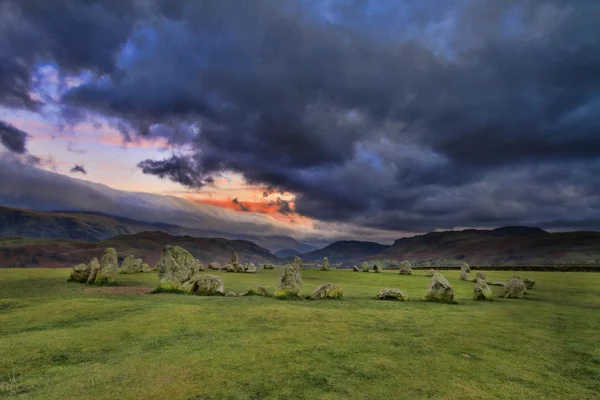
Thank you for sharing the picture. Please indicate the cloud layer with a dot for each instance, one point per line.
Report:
(407, 116)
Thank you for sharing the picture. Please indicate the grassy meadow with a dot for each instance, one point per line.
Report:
(61, 340)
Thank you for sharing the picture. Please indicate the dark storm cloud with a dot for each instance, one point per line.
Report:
(409, 116)
(78, 169)
(12, 139)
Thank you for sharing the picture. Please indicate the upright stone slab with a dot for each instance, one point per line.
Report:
(431, 272)
(365, 267)
(130, 265)
(355, 269)
(289, 285)
(251, 268)
(482, 291)
(145, 267)
(514, 288)
(529, 282)
(109, 267)
(297, 263)
(176, 266)
(439, 289)
(465, 272)
(325, 266)
(94, 268)
(406, 268)
(376, 268)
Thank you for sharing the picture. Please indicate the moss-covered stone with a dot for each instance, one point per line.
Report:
(327, 291)
(209, 285)
(146, 268)
(365, 267)
(297, 263)
(439, 289)
(240, 268)
(406, 268)
(514, 288)
(529, 282)
(214, 266)
(176, 266)
(392, 294)
(482, 291)
(250, 268)
(131, 265)
(80, 273)
(109, 267)
(465, 272)
(234, 260)
(94, 268)
(229, 268)
(480, 275)
(430, 272)
(325, 266)
(289, 285)
(258, 290)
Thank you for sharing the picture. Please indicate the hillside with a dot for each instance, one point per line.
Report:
(58, 253)
(502, 246)
(345, 251)
(93, 227)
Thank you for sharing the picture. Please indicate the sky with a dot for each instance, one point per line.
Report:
(380, 116)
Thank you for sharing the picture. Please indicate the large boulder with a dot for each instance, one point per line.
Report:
(209, 285)
(431, 272)
(289, 285)
(109, 267)
(529, 282)
(325, 266)
(94, 268)
(406, 268)
(439, 289)
(258, 290)
(465, 272)
(250, 268)
(214, 266)
(514, 288)
(482, 291)
(80, 273)
(327, 291)
(176, 266)
(131, 265)
(392, 294)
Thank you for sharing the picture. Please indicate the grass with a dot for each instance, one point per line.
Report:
(64, 340)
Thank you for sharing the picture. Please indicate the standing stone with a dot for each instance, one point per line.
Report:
(234, 260)
(209, 285)
(251, 269)
(258, 290)
(465, 272)
(176, 266)
(376, 268)
(325, 266)
(130, 265)
(439, 289)
(406, 268)
(198, 266)
(327, 291)
(229, 268)
(297, 263)
(482, 291)
(268, 266)
(365, 267)
(145, 268)
(94, 268)
(290, 283)
(514, 288)
(355, 269)
(480, 275)
(80, 273)
(109, 266)
(431, 272)
(392, 294)
(240, 268)
(529, 282)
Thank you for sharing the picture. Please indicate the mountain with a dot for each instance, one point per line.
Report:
(26, 187)
(93, 227)
(502, 246)
(287, 253)
(346, 251)
(58, 253)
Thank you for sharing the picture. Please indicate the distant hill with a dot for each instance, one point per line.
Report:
(287, 253)
(93, 227)
(346, 250)
(502, 246)
(57, 253)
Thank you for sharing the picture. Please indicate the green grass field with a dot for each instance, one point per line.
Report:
(62, 340)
